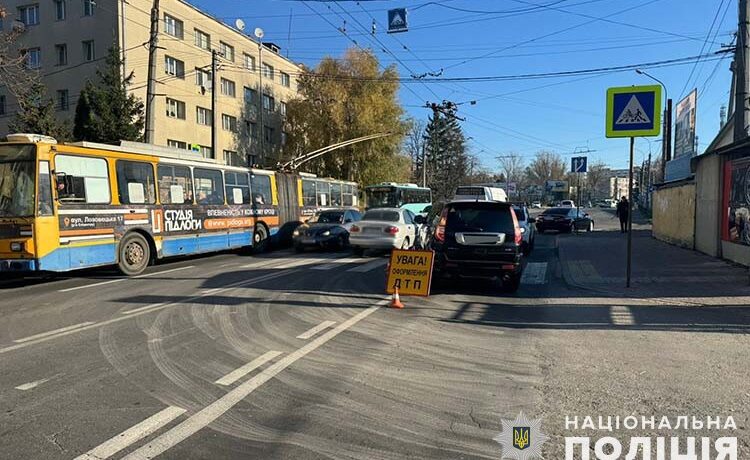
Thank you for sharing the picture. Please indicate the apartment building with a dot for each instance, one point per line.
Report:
(66, 40)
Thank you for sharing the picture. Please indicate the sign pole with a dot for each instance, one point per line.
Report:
(630, 214)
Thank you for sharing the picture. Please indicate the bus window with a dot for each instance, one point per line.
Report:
(238, 187)
(175, 184)
(135, 182)
(336, 194)
(83, 179)
(209, 188)
(308, 193)
(45, 190)
(261, 187)
(323, 194)
(347, 196)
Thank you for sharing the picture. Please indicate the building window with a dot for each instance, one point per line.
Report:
(135, 182)
(2, 104)
(177, 144)
(268, 134)
(286, 80)
(89, 53)
(88, 7)
(203, 78)
(228, 88)
(29, 15)
(251, 96)
(61, 52)
(228, 122)
(269, 103)
(174, 67)
(249, 62)
(268, 71)
(63, 100)
(282, 108)
(253, 129)
(283, 138)
(206, 152)
(86, 179)
(202, 39)
(33, 58)
(227, 51)
(175, 109)
(203, 116)
(174, 27)
(175, 184)
(60, 10)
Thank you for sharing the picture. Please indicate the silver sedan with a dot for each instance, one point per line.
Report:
(384, 228)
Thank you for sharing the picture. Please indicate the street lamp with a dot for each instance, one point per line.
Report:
(261, 129)
(666, 150)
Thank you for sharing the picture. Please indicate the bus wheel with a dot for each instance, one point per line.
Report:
(260, 238)
(134, 254)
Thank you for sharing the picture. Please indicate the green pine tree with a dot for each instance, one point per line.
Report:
(36, 114)
(105, 111)
(447, 160)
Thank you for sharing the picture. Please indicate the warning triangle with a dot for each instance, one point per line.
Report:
(397, 21)
(633, 113)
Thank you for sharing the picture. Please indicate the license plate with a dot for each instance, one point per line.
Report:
(372, 230)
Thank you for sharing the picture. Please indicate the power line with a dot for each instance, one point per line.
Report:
(703, 47)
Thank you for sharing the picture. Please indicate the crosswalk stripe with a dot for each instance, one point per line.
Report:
(369, 266)
(338, 262)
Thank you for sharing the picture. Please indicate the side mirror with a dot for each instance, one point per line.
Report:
(420, 220)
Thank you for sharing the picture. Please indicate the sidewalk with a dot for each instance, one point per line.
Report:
(597, 262)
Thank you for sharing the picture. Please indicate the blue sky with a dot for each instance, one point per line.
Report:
(512, 37)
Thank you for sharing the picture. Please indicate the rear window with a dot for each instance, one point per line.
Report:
(479, 217)
(557, 211)
(383, 216)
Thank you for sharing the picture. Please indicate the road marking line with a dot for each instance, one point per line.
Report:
(91, 285)
(372, 265)
(338, 262)
(30, 385)
(164, 271)
(140, 309)
(535, 273)
(216, 409)
(134, 314)
(238, 373)
(132, 434)
(53, 332)
(621, 315)
(313, 331)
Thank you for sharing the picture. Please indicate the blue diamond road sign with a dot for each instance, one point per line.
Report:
(578, 164)
(633, 111)
(397, 20)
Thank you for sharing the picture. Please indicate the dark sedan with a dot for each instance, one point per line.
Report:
(326, 229)
(564, 220)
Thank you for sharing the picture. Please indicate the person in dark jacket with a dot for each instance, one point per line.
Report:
(623, 208)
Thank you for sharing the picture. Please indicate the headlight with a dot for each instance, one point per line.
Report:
(326, 233)
(295, 233)
(523, 229)
(16, 247)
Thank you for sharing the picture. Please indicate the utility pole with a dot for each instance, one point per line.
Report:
(153, 43)
(261, 128)
(741, 66)
(214, 100)
(667, 153)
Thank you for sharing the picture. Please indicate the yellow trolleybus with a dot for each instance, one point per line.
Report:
(71, 206)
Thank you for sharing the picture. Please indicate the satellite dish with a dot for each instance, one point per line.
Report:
(259, 32)
(240, 24)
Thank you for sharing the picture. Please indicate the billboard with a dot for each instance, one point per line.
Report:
(684, 126)
(737, 201)
(556, 186)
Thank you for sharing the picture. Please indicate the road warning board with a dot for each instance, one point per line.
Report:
(634, 111)
(410, 272)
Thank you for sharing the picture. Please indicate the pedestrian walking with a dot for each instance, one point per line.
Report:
(623, 209)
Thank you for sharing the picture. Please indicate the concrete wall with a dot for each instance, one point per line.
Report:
(674, 214)
(708, 197)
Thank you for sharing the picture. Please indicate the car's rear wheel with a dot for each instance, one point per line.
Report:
(260, 238)
(134, 254)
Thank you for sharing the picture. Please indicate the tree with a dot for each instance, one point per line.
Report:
(447, 160)
(596, 176)
(545, 166)
(13, 71)
(414, 148)
(105, 111)
(344, 99)
(511, 166)
(36, 114)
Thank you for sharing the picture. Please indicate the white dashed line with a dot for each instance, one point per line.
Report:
(313, 331)
(86, 286)
(55, 331)
(247, 368)
(31, 385)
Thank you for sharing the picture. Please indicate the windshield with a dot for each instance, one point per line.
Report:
(556, 212)
(328, 217)
(382, 216)
(381, 198)
(16, 180)
(479, 217)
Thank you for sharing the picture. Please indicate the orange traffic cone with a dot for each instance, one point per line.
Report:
(396, 300)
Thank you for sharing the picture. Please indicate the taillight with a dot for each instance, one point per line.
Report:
(440, 230)
(516, 228)
(392, 230)
(355, 229)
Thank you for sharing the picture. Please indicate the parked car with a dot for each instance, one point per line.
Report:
(528, 229)
(386, 228)
(536, 205)
(564, 220)
(478, 239)
(567, 204)
(326, 229)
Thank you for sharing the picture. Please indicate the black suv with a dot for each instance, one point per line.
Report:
(479, 239)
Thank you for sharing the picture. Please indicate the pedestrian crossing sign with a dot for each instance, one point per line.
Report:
(634, 111)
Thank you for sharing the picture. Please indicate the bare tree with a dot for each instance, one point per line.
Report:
(511, 166)
(414, 148)
(546, 166)
(596, 176)
(13, 72)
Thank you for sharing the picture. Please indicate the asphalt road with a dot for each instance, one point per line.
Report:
(296, 356)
